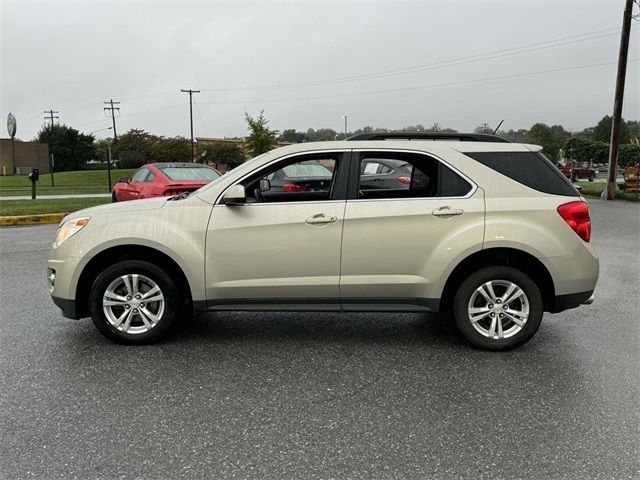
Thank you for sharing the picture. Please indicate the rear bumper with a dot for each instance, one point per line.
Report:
(573, 300)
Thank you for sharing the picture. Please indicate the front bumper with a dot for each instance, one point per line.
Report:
(67, 306)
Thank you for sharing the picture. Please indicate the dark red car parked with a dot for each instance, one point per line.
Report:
(162, 180)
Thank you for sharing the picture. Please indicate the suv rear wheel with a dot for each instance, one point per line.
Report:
(498, 308)
(134, 302)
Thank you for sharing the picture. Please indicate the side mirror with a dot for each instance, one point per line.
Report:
(123, 180)
(236, 195)
(264, 185)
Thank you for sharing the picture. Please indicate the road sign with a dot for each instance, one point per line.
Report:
(11, 125)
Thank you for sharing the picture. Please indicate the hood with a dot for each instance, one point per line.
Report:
(109, 208)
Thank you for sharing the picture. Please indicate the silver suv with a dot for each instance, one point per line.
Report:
(488, 229)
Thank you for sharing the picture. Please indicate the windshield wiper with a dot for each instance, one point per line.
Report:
(182, 196)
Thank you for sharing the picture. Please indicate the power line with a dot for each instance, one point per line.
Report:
(50, 115)
(382, 74)
(419, 87)
(442, 64)
(193, 146)
(113, 109)
(202, 122)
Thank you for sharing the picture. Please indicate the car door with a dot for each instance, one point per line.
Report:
(399, 241)
(131, 189)
(280, 250)
(146, 188)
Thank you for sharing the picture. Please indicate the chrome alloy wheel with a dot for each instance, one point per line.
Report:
(498, 309)
(133, 304)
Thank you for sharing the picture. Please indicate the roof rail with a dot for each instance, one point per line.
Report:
(462, 137)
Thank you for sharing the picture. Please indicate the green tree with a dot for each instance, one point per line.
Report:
(516, 136)
(292, 136)
(72, 149)
(322, 135)
(261, 139)
(629, 154)
(131, 159)
(171, 149)
(102, 149)
(602, 131)
(634, 129)
(578, 149)
(225, 153)
(543, 135)
(483, 129)
(135, 147)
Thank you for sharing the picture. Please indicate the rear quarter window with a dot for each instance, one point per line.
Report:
(532, 169)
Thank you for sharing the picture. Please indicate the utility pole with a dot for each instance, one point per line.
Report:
(617, 103)
(113, 109)
(50, 115)
(345, 126)
(193, 146)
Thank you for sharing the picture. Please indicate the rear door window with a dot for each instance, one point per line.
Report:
(414, 176)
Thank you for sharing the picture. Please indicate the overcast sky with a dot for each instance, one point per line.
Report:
(386, 64)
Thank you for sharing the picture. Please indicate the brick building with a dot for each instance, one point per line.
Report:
(28, 155)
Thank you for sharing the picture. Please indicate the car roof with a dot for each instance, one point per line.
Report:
(178, 165)
(421, 145)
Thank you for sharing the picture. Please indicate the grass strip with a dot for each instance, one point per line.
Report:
(38, 207)
(595, 189)
(83, 181)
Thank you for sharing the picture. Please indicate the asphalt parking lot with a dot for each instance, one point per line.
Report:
(322, 395)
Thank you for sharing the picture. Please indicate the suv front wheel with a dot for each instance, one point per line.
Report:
(498, 308)
(134, 302)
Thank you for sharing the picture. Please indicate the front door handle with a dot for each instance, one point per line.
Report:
(320, 218)
(447, 212)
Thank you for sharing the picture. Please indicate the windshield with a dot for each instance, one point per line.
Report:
(306, 170)
(190, 173)
(230, 172)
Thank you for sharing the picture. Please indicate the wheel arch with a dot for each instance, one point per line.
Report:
(508, 257)
(119, 253)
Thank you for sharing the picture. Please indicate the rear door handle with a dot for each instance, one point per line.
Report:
(447, 212)
(320, 218)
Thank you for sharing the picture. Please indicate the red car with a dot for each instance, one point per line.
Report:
(162, 180)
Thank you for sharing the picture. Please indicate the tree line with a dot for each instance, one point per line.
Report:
(74, 150)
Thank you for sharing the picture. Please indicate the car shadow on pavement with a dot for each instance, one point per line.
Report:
(319, 327)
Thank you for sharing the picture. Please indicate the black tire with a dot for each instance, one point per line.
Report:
(592, 178)
(464, 296)
(167, 317)
(575, 178)
(114, 199)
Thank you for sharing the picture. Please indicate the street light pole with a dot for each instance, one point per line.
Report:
(345, 126)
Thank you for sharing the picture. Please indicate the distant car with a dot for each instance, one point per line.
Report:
(576, 172)
(163, 180)
(311, 177)
(385, 173)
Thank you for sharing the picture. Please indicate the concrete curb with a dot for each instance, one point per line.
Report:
(48, 218)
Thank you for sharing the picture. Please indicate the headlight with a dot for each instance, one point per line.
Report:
(70, 228)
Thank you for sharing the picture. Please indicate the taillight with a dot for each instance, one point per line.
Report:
(576, 214)
(404, 180)
(292, 187)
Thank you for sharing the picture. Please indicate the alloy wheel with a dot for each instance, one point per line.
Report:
(498, 309)
(133, 304)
